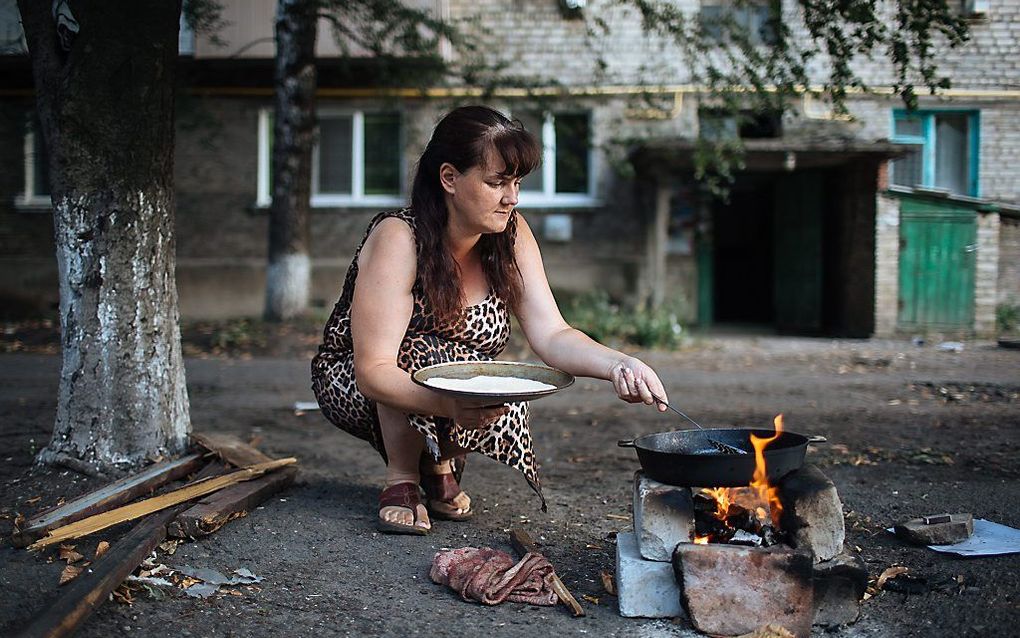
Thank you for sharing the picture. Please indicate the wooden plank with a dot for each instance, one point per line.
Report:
(522, 542)
(106, 498)
(230, 448)
(90, 590)
(141, 508)
(216, 510)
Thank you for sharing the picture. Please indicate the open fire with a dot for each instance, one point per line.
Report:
(742, 515)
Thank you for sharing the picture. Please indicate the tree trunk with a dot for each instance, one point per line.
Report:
(289, 272)
(104, 76)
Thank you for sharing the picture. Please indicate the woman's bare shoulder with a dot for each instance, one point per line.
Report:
(391, 242)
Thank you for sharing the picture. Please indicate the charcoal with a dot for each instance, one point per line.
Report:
(703, 503)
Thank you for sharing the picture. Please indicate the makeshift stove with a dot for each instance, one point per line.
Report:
(734, 559)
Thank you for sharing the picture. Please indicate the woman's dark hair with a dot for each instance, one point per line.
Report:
(463, 138)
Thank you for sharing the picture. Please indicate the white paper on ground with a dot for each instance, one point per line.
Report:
(305, 406)
(989, 539)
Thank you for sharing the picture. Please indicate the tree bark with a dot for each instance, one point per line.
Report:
(289, 272)
(105, 101)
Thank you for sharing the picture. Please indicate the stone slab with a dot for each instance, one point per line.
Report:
(729, 590)
(663, 517)
(812, 513)
(644, 588)
(957, 529)
(839, 586)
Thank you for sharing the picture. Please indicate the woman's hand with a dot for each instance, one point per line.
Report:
(635, 382)
(475, 414)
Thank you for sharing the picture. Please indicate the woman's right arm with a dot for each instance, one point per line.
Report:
(380, 311)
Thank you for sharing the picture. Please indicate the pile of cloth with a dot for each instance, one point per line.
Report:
(490, 576)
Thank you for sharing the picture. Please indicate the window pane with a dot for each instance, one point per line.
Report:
(909, 126)
(532, 121)
(711, 18)
(335, 151)
(40, 166)
(760, 30)
(951, 157)
(382, 154)
(906, 171)
(572, 143)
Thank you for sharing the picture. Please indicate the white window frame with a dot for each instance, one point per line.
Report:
(29, 198)
(356, 198)
(548, 197)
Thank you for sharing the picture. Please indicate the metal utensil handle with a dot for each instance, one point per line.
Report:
(625, 443)
(678, 412)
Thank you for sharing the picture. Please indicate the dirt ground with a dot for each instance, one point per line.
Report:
(912, 430)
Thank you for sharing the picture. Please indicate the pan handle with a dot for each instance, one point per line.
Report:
(625, 443)
(817, 439)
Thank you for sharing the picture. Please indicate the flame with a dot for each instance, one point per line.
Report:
(766, 493)
(759, 497)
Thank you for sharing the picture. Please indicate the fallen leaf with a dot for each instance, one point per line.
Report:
(891, 572)
(169, 546)
(70, 573)
(33, 500)
(188, 581)
(19, 521)
(593, 600)
(592, 546)
(101, 548)
(607, 583)
(769, 631)
(123, 595)
(68, 554)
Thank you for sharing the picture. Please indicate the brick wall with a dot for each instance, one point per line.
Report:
(887, 265)
(1009, 261)
(986, 276)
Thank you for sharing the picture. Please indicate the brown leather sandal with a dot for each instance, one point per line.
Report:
(401, 495)
(443, 488)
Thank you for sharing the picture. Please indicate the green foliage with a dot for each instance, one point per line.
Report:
(1007, 318)
(594, 314)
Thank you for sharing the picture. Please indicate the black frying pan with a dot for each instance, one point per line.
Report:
(688, 458)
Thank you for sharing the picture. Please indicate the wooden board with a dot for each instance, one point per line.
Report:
(217, 509)
(106, 498)
(230, 448)
(91, 589)
(141, 508)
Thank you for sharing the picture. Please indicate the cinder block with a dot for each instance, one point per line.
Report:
(663, 517)
(644, 588)
(812, 513)
(729, 590)
(839, 585)
(957, 529)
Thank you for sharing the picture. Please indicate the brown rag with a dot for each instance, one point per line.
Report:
(491, 576)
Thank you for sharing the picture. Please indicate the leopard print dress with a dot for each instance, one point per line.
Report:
(481, 335)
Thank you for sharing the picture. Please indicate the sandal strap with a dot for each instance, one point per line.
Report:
(440, 487)
(401, 495)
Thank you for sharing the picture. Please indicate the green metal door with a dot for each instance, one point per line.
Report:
(798, 253)
(938, 241)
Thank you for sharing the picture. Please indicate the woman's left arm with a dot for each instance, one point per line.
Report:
(569, 349)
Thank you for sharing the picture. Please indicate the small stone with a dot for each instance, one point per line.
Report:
(840, 584)
(959, 528)
(730, 590)
(663, 517)
(644, 588)
(812, 513)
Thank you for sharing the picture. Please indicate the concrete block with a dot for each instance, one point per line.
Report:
(812, 513)
(839, 586)
(663, 517)
(728, 590)
(644, 588)
(935, 531)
